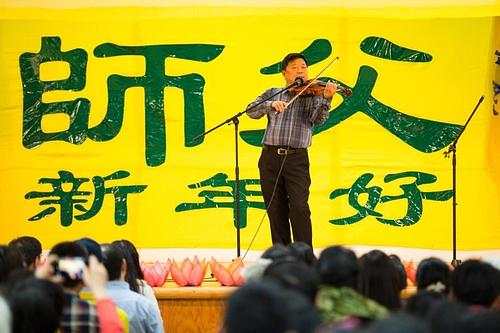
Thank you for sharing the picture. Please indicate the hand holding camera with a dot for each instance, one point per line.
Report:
(70, 268)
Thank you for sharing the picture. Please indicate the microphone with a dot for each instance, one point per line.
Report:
(297, 83)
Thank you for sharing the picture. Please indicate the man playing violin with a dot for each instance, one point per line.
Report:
(284, 161)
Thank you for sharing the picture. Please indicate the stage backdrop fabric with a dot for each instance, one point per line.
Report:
(100, 107)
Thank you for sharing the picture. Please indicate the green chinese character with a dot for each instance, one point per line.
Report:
(154, 82)
(220, 180)
(62, 197)
(67, 199)
(33, 88)
(412, 193)
(422, 134)
(119, 192)
(353, 193)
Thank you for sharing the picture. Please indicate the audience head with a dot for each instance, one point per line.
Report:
(423, 302)
(31, 250)
(69, 250)
(131, 255)
(445, 317)
(10, 260)
(115, 263)
(303, 252)
(91, 246)
(433, 274)
(256, 307)
(476, 283)
(36, 306)
(277, 251)
(379, 279)
(338, 266)
(401, 271)
(303, 316)
(294, 275)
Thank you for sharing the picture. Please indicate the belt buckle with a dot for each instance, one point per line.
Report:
(282, 151)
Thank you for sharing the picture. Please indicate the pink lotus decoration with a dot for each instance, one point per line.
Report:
(190, 273)
(230, 276)
(156, 274)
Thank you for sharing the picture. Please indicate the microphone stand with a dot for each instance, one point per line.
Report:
(452, 149)
(234, 120)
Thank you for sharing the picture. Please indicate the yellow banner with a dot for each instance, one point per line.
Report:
(100, 108)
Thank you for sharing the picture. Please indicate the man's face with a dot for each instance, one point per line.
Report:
(295, 68)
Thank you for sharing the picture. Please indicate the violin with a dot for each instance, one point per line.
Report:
(316, 88)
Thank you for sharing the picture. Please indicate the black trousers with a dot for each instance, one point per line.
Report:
(289, 205)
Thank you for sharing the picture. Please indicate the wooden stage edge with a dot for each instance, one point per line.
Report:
(193, 309)
(200, 309)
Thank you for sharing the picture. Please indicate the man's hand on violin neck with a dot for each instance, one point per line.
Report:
(330, 90)
(279, 106)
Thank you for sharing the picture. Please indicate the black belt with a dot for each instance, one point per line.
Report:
(283, 150)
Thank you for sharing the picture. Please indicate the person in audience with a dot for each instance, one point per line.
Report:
(277, 251)
(93, 249)
(36, 305)
(401, 271)
(134, 276)
(338, 300)
(31, 251)
(142, 314)
(295, 275)
(456, 317)
(476, 284)
(79, 315)
(421, 303)
(5, 316)
(91, 246)
(433, 274)
(256, 307)
(495, 262)
(445, 317)
(481, 322)
(379, 279)
(398, 323)
(302, 251)
(303, 316)
(254, 271)
(95, 277)
(11, 260)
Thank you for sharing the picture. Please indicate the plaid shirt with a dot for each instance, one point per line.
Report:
(293, 127)
(78, 315)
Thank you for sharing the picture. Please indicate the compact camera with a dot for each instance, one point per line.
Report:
(70, 267)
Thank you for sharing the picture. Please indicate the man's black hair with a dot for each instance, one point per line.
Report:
(291, 57)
